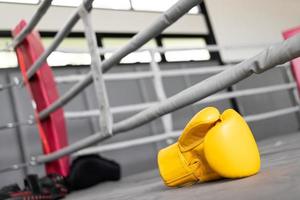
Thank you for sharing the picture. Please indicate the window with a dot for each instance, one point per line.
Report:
(61, 57)
(117, 42)
(157, 5)
(4, 41)
(72, 3)
(185, 55)
(68, 44)
(21, 1)
(7, 59)
(110, 4)
(140, 5)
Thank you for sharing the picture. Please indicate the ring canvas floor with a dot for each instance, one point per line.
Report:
(279, 178)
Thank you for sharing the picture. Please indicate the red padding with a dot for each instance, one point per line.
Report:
(295, 64)
(43, 90)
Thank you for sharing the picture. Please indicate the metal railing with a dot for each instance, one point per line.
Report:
(273, 56)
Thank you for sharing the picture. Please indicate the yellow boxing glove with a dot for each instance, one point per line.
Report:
(212, 146)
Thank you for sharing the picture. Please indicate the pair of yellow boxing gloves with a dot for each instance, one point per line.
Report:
(212, 146)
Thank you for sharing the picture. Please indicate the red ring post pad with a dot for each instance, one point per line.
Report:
(43, 91)
(295, 64)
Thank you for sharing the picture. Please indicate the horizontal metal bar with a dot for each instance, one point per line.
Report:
(139, 107)
(108, 77)
(213, 98)
(148, 74)
(134, 75)
(272, 114)
(41, 11)
(210, 48)
(15, 167)
(114, 110)
(175, 134)
(248, 92)
(156, 138)
(201, 70)
(159, 25)
(11, 125)
(14, 83)
(142, 75)
(128, 143)
(193, 71)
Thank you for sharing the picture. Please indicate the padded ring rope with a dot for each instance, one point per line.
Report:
(274, 55)
(72, 115)
(131, 76)
(41, 11)
(151, 139)
(175, 134)
(213, 98)
(160, 24)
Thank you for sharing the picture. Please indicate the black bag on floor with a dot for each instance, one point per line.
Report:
(87, 171)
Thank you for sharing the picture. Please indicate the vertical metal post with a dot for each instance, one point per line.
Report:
(161, 95)
(20, 137)
(88, 107)
(145, 97)
(105, 118)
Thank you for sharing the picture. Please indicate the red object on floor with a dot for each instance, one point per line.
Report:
(295, 64)
(43, 91)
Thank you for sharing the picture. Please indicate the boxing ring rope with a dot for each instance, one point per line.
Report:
(124, 76)
(154, 29)
(61, 34)
(275, 55)
(272, 56)
(149, 74)
(175, 134)
(41, 11)
(73, 115)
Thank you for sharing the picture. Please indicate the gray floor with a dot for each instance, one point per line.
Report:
(279, 178)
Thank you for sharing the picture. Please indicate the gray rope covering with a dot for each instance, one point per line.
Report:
(270, 57)
(59, 37)
(105, 118)
(212, 98)
(175, 134)
(160, 24)
(41, 11)
(139, 107)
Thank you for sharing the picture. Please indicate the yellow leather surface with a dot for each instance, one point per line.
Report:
(211, 146)
(230, 148)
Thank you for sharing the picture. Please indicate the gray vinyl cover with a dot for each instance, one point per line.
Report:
(270, 57)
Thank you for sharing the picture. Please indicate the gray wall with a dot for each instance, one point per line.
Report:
(15, 105)
(244, 22)
(120, 21)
